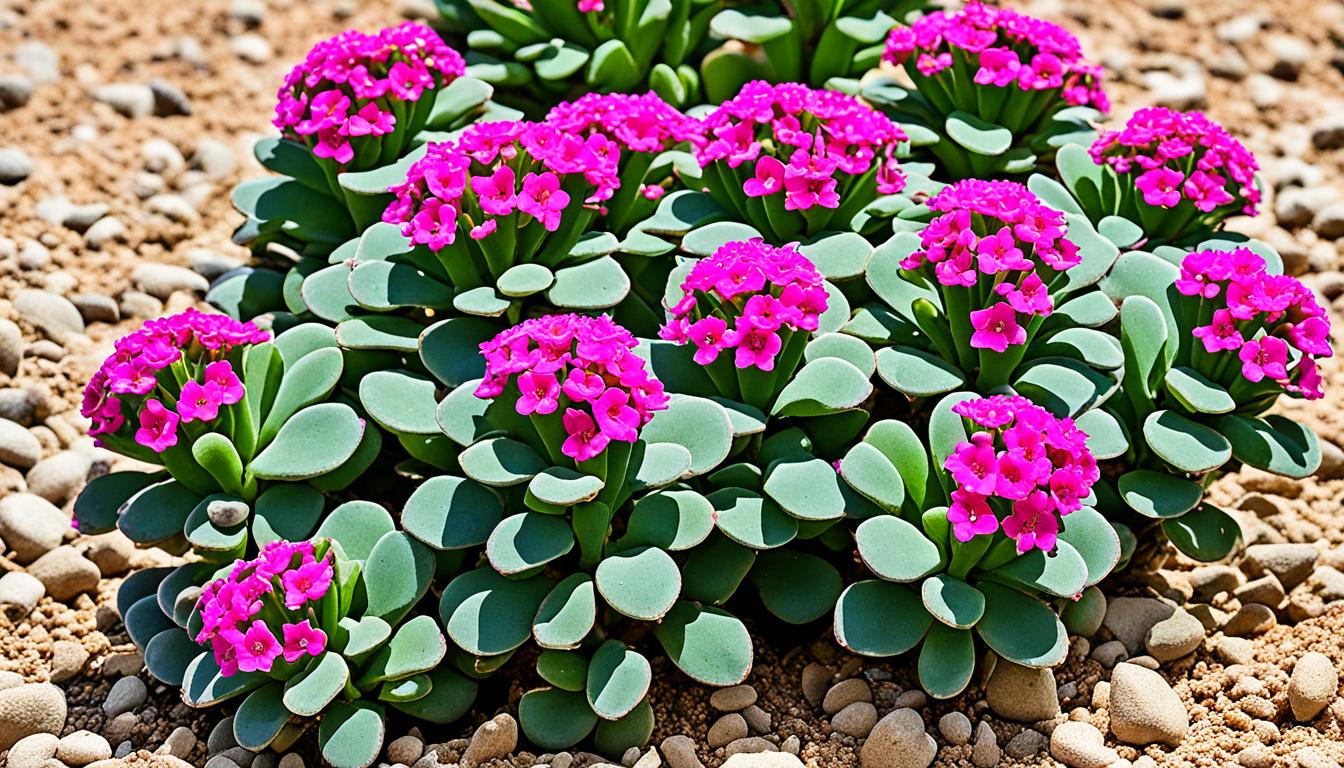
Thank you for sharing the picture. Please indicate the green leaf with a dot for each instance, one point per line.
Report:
(1097, 254)
(979, 136)
(751, 519)
(618, 680)
(1064, 386)
(158, 512)
(634, 730)
(704, 241)
(326, 293)
(640, 583)
(461, 415)
(1020, 628)
(400, 401)
(1158, 495)
(795, 586)
(1096, 541)
(1085, 615)
(564, 487)
(1121, 231)
(357, 526)
(669, 519)
(448, 512)
(1197, 393)
(868, 470)
(399, 334)
(314, 441)
(917, 373)
(554, 719)
(313, 689)
(286, 511)
(596, 284)
(879, 618)
(567, 614)
(1273, 443)
(206, 536)
(613, 67)
(906, 451)
(895, 550)
(1062, 573)
(1093, 347)
(524, 280)
(204, 684)
(952, 601)
(750, 26)
(396, 576)
(1185, 444)
(1206, 533)
(290, 158)
(848, 348)
(418, 646)
(563, 669)
(98, 505)
(528, 540)
(450, 349)
(654, 465)
(363, 636)
(838, 255)
(500, 462)
(699, 425)
(487, 614)
(1106, 438)
(810, 490)
(946, 661)
(168, 654)
(351, 735)
(389, 285)
(260, 718)
(714, 570)
(823, 386)
(708, 644)
(450, 696)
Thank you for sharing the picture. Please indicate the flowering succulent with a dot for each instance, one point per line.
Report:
(994, 89)
(792, 161)
(1210, 345)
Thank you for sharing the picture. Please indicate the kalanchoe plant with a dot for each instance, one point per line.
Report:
(994, 91)
(1017, 547)
(1210, 346)
(791, 161)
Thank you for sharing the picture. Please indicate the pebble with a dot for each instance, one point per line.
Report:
(215, 159)
(15, 165)
(727, 729)
(405, 750)
(1235, 650)
(763, 760)
(83, 747)
(1329, 221)
(986, 752)
(733, 699)
(169, 100)
(295, 760)
(1081, 745)
(1251, 619)
(1291, 563)
(11, 349)
(1290, 55)
(816, 679)
(898, 741)
(1209, 581)
(46, 350)
(174, 208)
(221, 737)
(19, 448)
(1175, 636)
(33, 751)
(758, 720)
(30, 524)
(29, 709)
(15, 90)
(124, 663)
(251, 48)
(53, 315)
(128, 99)
(126, 694)
(81, 217)
(679, 751)
(749, 745)
(119, 728)
(65, 573)
(1265, 590)
(494, 738)
(68, 658)
(161, 280)
(104, 231)
(140, 305)
(1023, 694)
(955, 727)
(40, 61)
(844, 693)
(1329, 133)
(209, 264)
(1144, 709)
(1312, 685)
(19, 593)
(1130, 618)
(96, 308)
(855, 720)
(59, 477)
(180, 743)
(1256, 756)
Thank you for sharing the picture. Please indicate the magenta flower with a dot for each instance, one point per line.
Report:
(496, 191)
(707, 335)
(543, 199)
(1161, 187)
(754, 347)
(303, 639)
(584, 439)
(540, 393)
(200, 402)
(996, 328)
(975, 466)
(1221, 334)
(258, 649)
(158, 427)
(1033, 523)
(220, 375)
(1264, 357)
(309, 581)
(970, 515)
(614, 415)
(768, 180)
(225, 649)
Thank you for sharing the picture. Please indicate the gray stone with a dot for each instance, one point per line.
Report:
(215, 159)
(405, 750)
(128, 99)
(65, 573)
(844, 693)
(15, 90)
(126, 695)
(96, 308)
(1081, 745)
(1240, 29)
(227, 514)
(726, 730)
(104, 231)
(162, 280)
(1289, 54)
(209, 264)
(733, 699)
(81, 217)
(1312, 685)
(139, 304)
(59, 477)
(1297, 206)
(169, 100)
(816, 680)
(1144, 709)
(1023, 694)
(40, 61)
(758, 720)
(748, 745)
(15, 165)
(31, 525)
(1251, 619)
(19, 593)
(494, 738)
(1329, 221)
(763, 760)
(855, 720)
(898, 741)
(1175, 636)
(68, 658)
(679, 752)
(1235, 650)
(1130, 618)
(1265, 590)
(254, 49)
(180, 743)
(11, 347)
(986, 752)
(162, 156)
(1026, 744)
(83, 747)
(955, 727)
(53, 315)
(29, 709)
(19, 448)
(174, 208)
(221, 737)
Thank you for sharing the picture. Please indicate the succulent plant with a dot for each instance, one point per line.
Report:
(995, 92)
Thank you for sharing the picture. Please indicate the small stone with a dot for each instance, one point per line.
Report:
(1329, 221)
(1023, 694)
(758, 720)
(679, 752)
(1311, 757)
(1256, 756)
(29, 524)
(1312, 685)
(733, 699)
(221, 737)
(162, 156)
(1175, 636)
(29, 709)
(138, 304)
(161, 280)
(986, 752)
(1291, 563)
(1252, 619)
(251, 48)
(174, 208)
(104, 231)
(128, 99)
(844, 693)
(1144, 709)
(126, 694)
(1290, 55)
(209, 264)
(763, 760)
(1329, 133)
(494, 738)
(1209, 581)
(955, 727)
(215, 159)
(59, 477)
(1081, 745)
(793, 745)
(816, 680)
(15, 90)
(111, 552)
(1130, 618)
(34, 256)
(15, 165)
(19, 593)
(123, 664)
(405, 750)
(1240, 29)
(169, 100)
(82, 747)
(40, 61)
(748, 745)
(898, 741)
(119, 728)
(33, 751)
(227, 514)
(914, 699)
(295, 760)
(855, 720)
(53, 315)
(65, 573)
(11, 349)
(1265, 590)
(68, 658)
(96, 308)
(181, 742)
(19, 448)
(727, 729)
(1235, 650)
(1026, 744)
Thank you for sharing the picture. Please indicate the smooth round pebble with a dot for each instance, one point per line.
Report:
(28, 709)
(83, 747)
(1144, 709)
(1081, 745)
(33, 751)
(65, 572)
(727, 729)
(1023, 694)
(898, 741)
(955, 727)
(855, 720)
(126, 694)
(1312, 685)
(844, 693)
(733, 699)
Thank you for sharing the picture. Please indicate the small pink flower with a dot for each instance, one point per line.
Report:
(199, 403)
(768, 180)
(540, 393)
(1266, 357)
(996, 328)
(370, 120)
(220, 375)
(225, 648)
(970, 516)
(582, 386)
(158, 426)
(585, 440)
(1221, 334)
(1032, 523)
(615, 417)
(496, 191)
(755, 347)
(483, 230)
(707, 335)
(974, 465)
(309, 581)
(303, 639)
(258, 649)
(543, 199)
(1161, 187)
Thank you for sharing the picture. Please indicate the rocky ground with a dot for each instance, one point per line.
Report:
(123, 123)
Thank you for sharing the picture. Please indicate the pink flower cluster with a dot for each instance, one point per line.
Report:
(581, 367)
(1000, 235)
(1250, 300)
(800, 140)
(240, 612)
(495, 170)
(1181, 156)
(354, 84)
(130, 375)
(742, 298)
(1023, 463)
(1003, 48)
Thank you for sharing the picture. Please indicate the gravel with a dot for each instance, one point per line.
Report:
(1312, 685)
(1144, 709)
(15, 165)
(128, 99)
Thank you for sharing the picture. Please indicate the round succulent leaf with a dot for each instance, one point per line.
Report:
(1106, 437)
(363, 636)
(752, 520)
(168, 654)
(977, 135)
(145, 619)
(396, 575)
(450, 696)
(99, 504)
(316, 440)
(1084, 615)
(528, 540)
(388, 285)
(500, 462)
(1089, 345)
(616, 737)
(871, 473)
(1205, 533)
(461, 415)
(564, 487)
(1119, 230)
(307, 380)
(879, 618)
(669, 519)
(1196, 392)
(796, 587)
(399, 334)
(567, 614)
(450, 349)
(449, 512)
(1020, 628)
(810, 490)
(838, 255)
(554, 719)
(260, 718)
(566, 670)
(952, 601)
(1097, 254)
(381, 241)
(699, 425)
(618, 680)
(946, 661)
(480, 302)
(823, 386)
(1090, 309)
(326, 293)
(896, 550)
(351, 735)
(709, 644)
(848, 348)
(487, 614)
(595, 284)
(750, 26)
(158, 512)
(204, 685)
(182, 578)
(1158, 495)
(1064, 386)
(205, 535)
(916, 373)
(308, 693)
(714, 570)
(406, 689)
(906, 451)
(357, 526)
(139, 585)
(654, 465)
(524, 280)
(704, 241)
(746, 419)
(1095, 539)
(1274, 443)
(641, 583)
(838, 311)
(401, 401)
(1062, 573)
(1185, 444)
(286, 511)
(417, 646)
